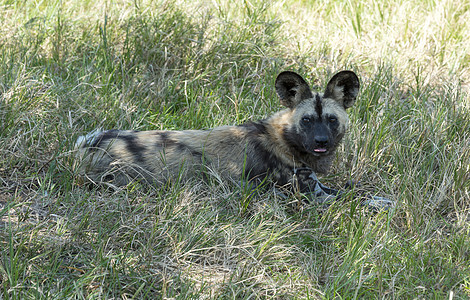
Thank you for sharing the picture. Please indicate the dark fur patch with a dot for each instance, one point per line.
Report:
(255, 168)
(293, 140)
(264, 162)
(256, 128)
(318, 107)
(133, 146)
(166, 140)
(103, 137)
(184, 148)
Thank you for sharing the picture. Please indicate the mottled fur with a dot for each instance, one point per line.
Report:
(304, 135)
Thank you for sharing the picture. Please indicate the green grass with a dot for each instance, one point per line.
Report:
(68, 67)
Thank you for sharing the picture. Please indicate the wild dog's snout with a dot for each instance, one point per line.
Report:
(321, 139)
(321, 142)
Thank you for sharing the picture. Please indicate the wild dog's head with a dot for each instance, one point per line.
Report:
(318, 121)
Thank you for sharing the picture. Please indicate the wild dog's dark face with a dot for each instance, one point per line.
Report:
(318, 121)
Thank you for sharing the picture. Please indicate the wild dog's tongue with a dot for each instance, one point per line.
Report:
(319, 150)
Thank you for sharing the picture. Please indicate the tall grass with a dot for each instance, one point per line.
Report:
(68, 67)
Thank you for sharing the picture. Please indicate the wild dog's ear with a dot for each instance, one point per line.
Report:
(292, 89)
(343, 87)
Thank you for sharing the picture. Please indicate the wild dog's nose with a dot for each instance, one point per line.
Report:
(321, 140)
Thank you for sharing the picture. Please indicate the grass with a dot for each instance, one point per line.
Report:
(68, 67)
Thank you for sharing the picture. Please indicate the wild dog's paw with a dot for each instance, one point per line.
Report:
(322, 194)
(377, 203)
(317, 192)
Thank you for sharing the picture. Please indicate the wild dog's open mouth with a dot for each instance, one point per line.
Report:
(316, 151)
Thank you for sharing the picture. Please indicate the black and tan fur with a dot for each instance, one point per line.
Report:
(304, 136)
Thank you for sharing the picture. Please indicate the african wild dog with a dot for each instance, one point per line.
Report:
(290, 146)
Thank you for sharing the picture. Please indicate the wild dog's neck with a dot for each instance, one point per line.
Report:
(278, 127)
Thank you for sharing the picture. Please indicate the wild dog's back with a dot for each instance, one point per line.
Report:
(119, 156)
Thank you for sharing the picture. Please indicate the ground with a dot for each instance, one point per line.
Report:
(69, 67)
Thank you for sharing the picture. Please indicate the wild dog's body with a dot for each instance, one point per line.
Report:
(252, 150)
(303, 136)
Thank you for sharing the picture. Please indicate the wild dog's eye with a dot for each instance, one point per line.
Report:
(306, 120)
(332, 119)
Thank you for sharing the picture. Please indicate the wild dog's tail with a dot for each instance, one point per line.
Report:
(88, 139)
(83, 163)
(82, 146)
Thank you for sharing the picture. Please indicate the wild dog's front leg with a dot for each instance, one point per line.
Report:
(306, 181)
